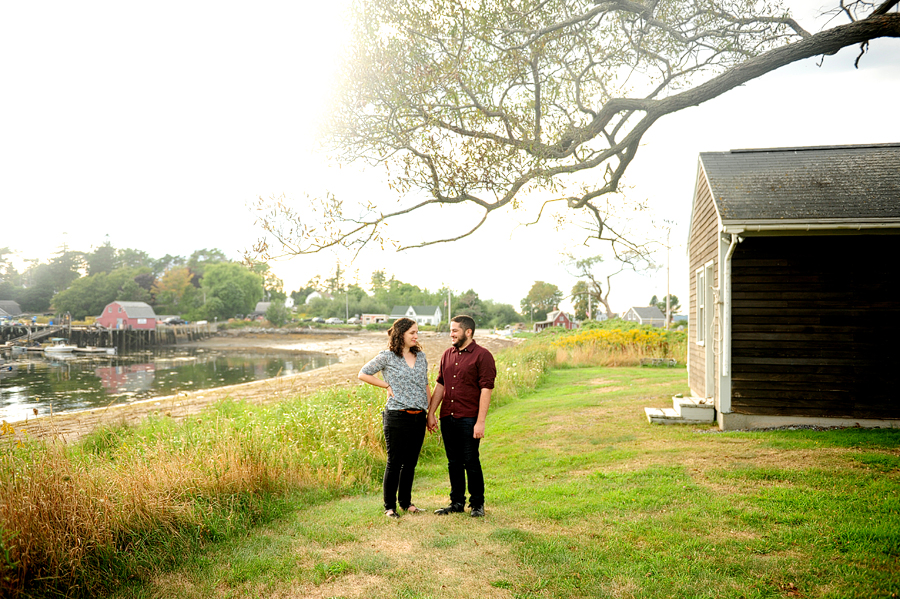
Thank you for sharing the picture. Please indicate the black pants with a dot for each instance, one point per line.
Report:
(403, 435)
(463, 461)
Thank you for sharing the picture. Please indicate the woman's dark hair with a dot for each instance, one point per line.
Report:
(396, 332)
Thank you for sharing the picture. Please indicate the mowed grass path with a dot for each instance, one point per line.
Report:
(585, 499)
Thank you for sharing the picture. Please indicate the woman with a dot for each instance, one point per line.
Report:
(405, 372)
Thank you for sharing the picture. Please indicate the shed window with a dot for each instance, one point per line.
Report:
(701, 306)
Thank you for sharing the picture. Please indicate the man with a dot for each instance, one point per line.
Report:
(463, 391)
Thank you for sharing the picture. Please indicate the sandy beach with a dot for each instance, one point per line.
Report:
(353, 349)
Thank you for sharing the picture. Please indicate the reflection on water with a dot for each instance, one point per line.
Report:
(29, 382)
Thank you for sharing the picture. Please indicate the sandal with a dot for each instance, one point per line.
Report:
(391, 514)
(414, 510)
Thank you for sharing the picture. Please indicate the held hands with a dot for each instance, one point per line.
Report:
(431, 423)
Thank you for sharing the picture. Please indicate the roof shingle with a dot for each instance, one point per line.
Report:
(843, 183)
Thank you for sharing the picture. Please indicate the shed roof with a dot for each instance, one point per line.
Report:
(137, 309)
(815, 184)
(10, 307)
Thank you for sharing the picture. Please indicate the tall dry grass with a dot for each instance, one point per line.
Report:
(79, 519)
(612, 345)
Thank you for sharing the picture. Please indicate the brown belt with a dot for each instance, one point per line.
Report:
(413, 411)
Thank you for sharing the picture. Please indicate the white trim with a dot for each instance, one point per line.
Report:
(726, 308)
(710, 358)
(813, 225)
(700, 285)
(727, 247)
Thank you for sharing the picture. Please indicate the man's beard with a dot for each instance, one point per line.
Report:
(461, 341)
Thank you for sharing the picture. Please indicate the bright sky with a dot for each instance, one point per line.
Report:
(157, 125)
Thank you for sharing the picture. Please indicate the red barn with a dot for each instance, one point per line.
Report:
(128, 315)
(557, 318)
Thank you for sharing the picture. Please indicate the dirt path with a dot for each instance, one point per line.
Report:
(353, 350)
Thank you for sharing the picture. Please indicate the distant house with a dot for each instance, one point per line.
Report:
(794, 293)
(421, 314)
(127, 315)
(259, 312)
(557, 318)
(10, 309)
(645, 315)
(374, 318)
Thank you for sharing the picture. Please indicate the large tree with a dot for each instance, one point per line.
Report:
(102, 259)
(175, 292)
(489, 103)
(541, 299)
(586, 269)
(88, 295)
(235, 288)
(581, 300)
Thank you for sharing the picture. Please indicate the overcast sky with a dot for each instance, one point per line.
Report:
(157, 124)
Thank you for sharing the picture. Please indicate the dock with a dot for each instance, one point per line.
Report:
(93, 339)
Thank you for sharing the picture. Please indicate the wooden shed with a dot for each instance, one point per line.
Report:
(795, 286)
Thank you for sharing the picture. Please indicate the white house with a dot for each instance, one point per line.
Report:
(421, 314)
(645, 315)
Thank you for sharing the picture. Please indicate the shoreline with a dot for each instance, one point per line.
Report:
(352, 348)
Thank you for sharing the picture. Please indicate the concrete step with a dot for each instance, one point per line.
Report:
(684, 410)
(662, 416)
(694, 409)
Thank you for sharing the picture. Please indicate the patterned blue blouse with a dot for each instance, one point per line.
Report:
(410, 385)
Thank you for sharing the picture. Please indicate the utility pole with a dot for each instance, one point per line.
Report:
(449, 310)
(668, 265)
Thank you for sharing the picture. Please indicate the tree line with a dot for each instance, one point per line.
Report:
(205, 285)
(339, 298)
(208, 286)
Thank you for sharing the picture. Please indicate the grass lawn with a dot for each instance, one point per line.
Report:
(585, 499)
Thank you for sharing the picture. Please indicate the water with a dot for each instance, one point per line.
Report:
(33, 381)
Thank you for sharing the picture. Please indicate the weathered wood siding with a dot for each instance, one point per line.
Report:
(704, 247)
(816, 326)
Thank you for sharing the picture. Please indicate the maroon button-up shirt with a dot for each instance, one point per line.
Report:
(464, 373)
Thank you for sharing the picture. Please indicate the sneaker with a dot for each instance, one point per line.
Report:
(450, 509)
(477, 512)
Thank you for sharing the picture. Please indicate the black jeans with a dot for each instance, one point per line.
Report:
(462, 460)
(403, 435)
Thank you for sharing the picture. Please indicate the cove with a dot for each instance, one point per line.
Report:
(29, 383)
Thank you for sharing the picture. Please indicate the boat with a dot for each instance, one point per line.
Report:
(59, 346)
(109, 351)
